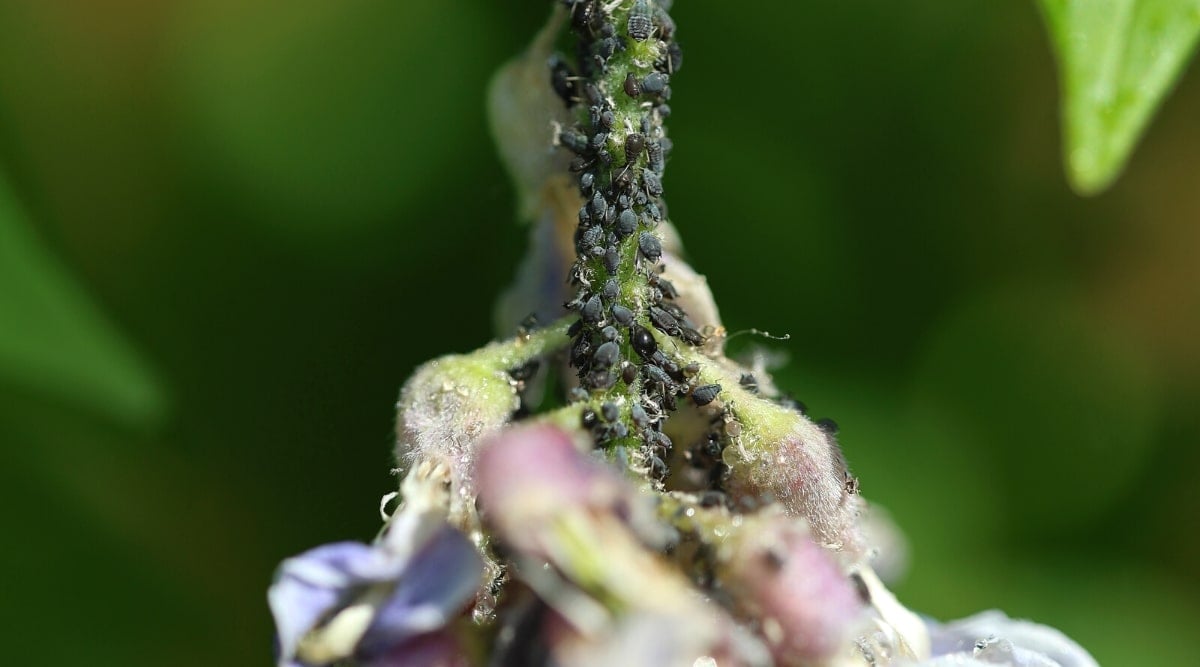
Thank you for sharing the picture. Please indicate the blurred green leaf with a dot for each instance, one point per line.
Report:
(1117, 59)
(54, 340)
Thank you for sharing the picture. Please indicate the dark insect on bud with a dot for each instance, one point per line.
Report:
(612, 260)
(608, 119)
(705, 394)
(619, 430)
(638, 414)
(594, 97)
(577, 394)
(581, 352)
(658, 376)
(622, 315)
(587, 180)
(606, 47)
(666, 25)
(674, 57)
(593, 310)
(623, 180)
(655, 157)
(609, 333)
(633, 87)
(588, 418)
(585, 218)
(691, 336)
(606, 355)
(579, 164)
(653, 183)
(650, 246)
(828, 425)
(664, 111)
(628, 372)
(598, 206)
(634, 143)
(642, 341)
(659, 440)
(626, 223)
(663, 321)
(604, 157)
(562, 79)
(692, 369)
(668, 288)
(610, 290)
(600, 380)
(592, 236)
(609, 411)
(583, 12)
(653, 211)
(596, 251)
(749, 382)
(599, 139)
(640, 23)
(575, 142)
(575, 328)
(655, 82)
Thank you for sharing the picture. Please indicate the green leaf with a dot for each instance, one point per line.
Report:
(54, 341)
(1116, 59)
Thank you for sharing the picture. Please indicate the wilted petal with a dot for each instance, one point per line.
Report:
(991, 637)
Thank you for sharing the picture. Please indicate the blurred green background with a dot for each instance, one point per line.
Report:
(229, 229)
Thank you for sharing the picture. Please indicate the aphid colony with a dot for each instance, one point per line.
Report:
(618, 84)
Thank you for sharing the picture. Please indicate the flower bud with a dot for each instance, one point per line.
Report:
(781, 454)
(805, 606)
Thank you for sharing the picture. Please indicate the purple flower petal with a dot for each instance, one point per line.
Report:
(438, 583)
(438, 649)
(309, 586)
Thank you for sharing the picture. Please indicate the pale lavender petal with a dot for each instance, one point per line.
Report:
(309, 586)
(994, 638)
(436, 585)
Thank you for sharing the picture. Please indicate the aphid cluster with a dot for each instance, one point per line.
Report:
(618, 83)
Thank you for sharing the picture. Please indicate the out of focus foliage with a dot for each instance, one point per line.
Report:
(1117, 58)
(284, 207)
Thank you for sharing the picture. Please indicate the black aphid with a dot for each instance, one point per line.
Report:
(638, 414)
(691, 336)
(609, 411)
(622, 315)
(562, 79)
(633, 87)
(610, 333)
(634, 143)
(653, 182)
(588, 418)
(612, 260)
(640, 23)
(608, 119)
(626, 223)
(749, 382)
(606, 355)
(655, 156)
(705, 394)
(600, 380)
(650, 246)
(663, 321)
(828, 425)
(593, 310)
(655, 82)
(611, 289)
(642, 341)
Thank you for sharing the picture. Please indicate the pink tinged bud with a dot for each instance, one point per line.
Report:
(781, 455)
(529, 475)
(805, 606)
